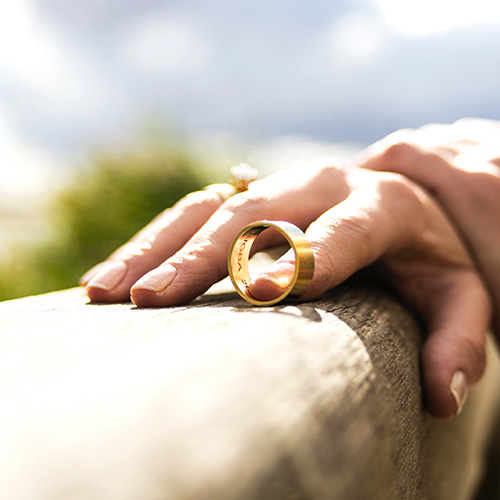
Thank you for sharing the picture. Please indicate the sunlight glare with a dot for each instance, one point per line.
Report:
(355, 41)
(432, 16)
(28, 52)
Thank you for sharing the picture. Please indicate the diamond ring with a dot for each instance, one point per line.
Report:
(242, 175)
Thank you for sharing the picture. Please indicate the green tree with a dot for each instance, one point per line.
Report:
(105, 204)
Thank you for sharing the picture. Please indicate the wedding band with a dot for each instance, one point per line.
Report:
(239, 255)
(242, 175)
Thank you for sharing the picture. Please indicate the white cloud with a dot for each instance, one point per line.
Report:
(29, 54)
(356, 40)
(430, 16)
(165, 46)
(43, 73)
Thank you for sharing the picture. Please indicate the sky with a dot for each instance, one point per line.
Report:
(79, 75)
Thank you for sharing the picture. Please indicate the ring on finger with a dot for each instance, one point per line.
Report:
(242, 175)
(239, 255)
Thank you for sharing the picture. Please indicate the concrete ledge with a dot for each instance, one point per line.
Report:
(222, 401)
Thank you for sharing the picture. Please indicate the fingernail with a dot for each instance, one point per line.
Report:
(110, 276)
(458, 388)
(280, 273)
(158, 279)
(93, 271)
(273, 281)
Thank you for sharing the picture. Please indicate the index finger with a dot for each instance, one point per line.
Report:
(111, 280)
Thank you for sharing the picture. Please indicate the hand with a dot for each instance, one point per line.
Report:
(352, 217)
(459, 165)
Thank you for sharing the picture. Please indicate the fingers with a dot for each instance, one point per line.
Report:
(110, 281)
(274, 280)
(467, 187)
(457, 311)
(203, 260)
(297, 196)
(348, 237)
(430, 267)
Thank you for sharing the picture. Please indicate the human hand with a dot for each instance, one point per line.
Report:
(352, 217)
(459, 165)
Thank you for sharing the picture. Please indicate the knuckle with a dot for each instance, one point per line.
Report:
(248, 201)
(401, 135)
(352, 236)
(329, 166)
(199, 198)
(396, 185)
(398, 151)
(193, 198)
(200, 258)
(401, 193)
(355, 227)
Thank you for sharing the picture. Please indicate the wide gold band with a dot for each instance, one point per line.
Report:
(239, 254)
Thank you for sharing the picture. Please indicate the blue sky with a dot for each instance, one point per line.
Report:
(81, 74)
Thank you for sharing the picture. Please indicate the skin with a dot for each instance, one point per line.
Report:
(459, 166)
(352, 217)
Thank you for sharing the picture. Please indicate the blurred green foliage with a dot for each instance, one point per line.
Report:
(104, 205)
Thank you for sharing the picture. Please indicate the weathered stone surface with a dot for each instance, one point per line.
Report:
(221, 400)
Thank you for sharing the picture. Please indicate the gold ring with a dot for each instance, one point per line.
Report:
(239, 254)
(242, 175)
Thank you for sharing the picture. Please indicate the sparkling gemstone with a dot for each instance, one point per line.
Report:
(242, 175)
